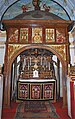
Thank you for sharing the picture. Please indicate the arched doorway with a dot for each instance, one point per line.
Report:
(14, 56)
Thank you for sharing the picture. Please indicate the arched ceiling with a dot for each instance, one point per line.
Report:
(68, 6)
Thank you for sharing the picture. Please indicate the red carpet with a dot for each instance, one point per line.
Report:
(36, 110)
(9, 113)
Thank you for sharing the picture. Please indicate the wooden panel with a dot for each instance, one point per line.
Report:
(49, 35)
(48, 91)
(36, 90)
(24, 35)
(13, 35)
(37, 35)
(60, 35)
(23, 92)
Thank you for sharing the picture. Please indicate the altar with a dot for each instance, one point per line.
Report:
(36, 89)
(36, 80)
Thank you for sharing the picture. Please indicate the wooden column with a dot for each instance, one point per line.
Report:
(64, 78)
(58, 82)
(5, 89)
(15, 75)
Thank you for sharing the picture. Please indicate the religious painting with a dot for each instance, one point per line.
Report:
(36, 35)
(24, 35)
(22, 6)
(35, 91)
(49, 35)
(60, 35)
(48, 91)
(23, 91)
(13, 35)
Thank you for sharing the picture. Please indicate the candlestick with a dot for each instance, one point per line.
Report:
(24, 63)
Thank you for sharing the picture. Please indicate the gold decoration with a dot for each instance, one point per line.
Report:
(35, 66)
(13, 35)
(61, 49)
(49, 35)
(60, 35)
(24, 35)
(12, 49)
(37, 35)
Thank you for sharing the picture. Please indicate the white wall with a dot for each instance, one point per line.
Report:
(2, 46)
(72, 46)
(2, 54)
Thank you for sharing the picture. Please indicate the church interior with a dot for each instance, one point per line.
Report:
(37, 57)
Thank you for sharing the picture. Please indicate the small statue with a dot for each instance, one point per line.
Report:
(36, 4)
(24, 8)
(47, 8)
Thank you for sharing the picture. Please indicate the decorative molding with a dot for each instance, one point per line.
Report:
(61, 49)
(13, 49)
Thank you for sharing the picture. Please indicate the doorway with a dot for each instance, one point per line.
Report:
(49, 63)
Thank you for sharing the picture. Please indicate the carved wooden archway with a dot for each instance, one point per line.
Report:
(15, 47)
(21, 48)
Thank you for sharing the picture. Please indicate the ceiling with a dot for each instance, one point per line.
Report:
(62, 8)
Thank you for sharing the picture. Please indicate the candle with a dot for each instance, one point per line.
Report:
(49, 65)
(41, 60)
(44, 61)
(46, 64)
(28, 65)
(24, 63)
(44, 68)
(30, 61)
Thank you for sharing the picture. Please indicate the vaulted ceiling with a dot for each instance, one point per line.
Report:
(63, 8)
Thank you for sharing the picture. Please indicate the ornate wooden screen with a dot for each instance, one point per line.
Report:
(53, 35)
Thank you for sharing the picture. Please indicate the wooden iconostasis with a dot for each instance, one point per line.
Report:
(35, 35)
(31, 45)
